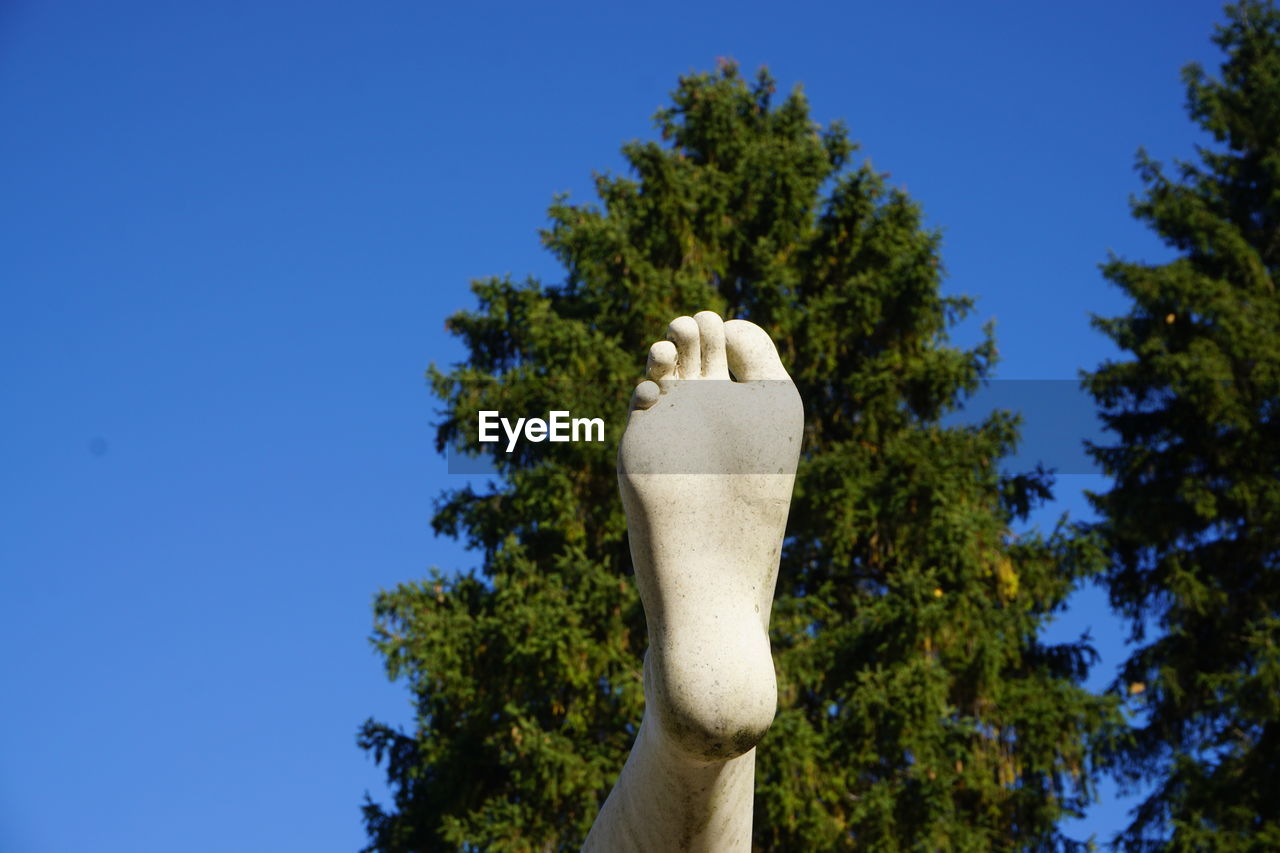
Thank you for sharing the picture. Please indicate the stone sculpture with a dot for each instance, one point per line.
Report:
(706, 468)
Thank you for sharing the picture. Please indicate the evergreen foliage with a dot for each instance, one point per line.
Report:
(1192, 522)
(917, 708)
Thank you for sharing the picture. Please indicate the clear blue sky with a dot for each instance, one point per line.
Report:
(231, 234)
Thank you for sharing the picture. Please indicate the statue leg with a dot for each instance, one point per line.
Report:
(706, 468)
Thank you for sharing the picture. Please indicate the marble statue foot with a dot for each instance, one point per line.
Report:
(706, 468)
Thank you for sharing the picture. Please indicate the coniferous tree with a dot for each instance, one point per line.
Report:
(1192, 521)
(918, 710)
